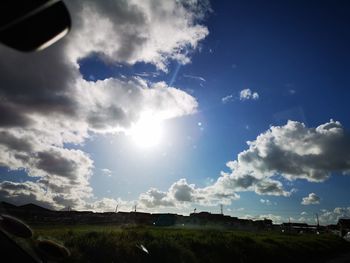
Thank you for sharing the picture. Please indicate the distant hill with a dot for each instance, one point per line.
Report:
(27, 207)
(5, 205)
(34, 208)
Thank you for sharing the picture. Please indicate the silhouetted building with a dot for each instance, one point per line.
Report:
(164, 219)
(344, 226)
(35, 214)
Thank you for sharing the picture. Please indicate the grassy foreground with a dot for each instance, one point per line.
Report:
(122, 244)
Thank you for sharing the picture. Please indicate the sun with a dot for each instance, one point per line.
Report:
(147, 132)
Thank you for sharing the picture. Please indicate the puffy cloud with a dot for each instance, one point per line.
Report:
(306, 217)
(311, 199)
(182, 191)
(247, 94)
(134, 31)
(46, 104)
(295, 151)
(64, 171)
(239, 180)
(125, 32)
(26, 192)
(21, 193)
(113, 105)
(182, 194)
(291, 151)
(155, 198)
(332, 216)
(275, 218)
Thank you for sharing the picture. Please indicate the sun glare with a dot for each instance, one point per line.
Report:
(147, 132)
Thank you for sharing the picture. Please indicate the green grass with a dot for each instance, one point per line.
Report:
(119, 244)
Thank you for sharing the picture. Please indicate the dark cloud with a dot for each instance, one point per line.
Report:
(24, 193)
(35, 83)
(182, 191)
(103, 117)
(270, 187)
(15, 143)
(12, 116)
(155, 198)
(53, 162)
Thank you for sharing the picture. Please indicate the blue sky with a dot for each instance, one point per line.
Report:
(293, 54)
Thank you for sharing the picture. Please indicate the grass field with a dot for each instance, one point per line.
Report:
(122, 244)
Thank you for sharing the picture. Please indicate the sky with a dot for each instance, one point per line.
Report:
(176, 105)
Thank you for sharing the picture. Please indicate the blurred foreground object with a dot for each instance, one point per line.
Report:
(33, 25)
(51, 250)
(28, 249)
(15, 226)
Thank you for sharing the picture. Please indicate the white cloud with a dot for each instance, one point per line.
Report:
(147, 74)
(267, 202)
(194, 77)
(66, 172)
(291, 151)
(309, 218)
(247, 94)
(181, 194)
(227, 98)
(275, 218)
(311, 199)
(255, 96)
(308, 153)
(137, 31)
(109, 205)
(113, 105)
(47, 105)
(332, 216)
(106, 172)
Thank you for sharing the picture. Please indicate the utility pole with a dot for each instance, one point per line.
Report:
(135, 208)
(289, 226)
(222, 209)
(116, 208)
(318, 222)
